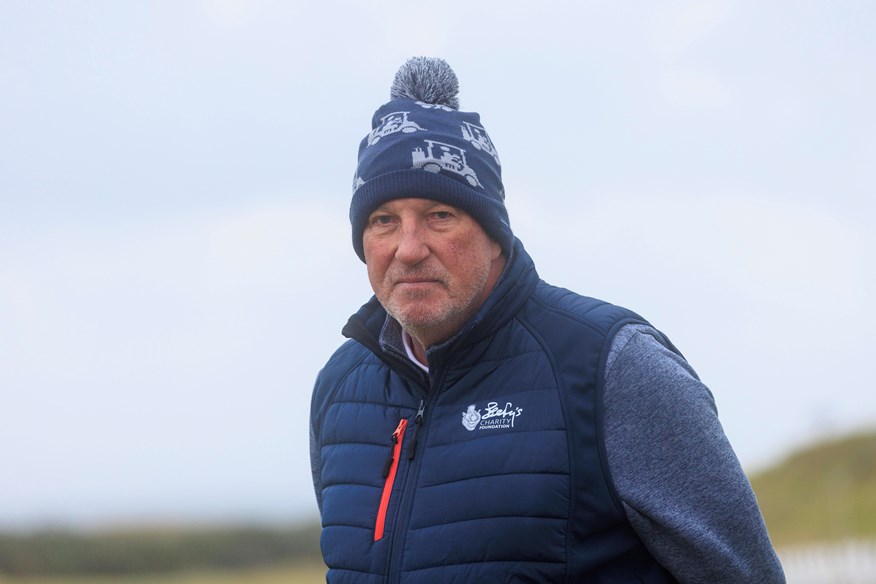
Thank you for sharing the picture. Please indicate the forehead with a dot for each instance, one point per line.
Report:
(413, 204)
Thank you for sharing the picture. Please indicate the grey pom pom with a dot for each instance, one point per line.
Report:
(426, 79)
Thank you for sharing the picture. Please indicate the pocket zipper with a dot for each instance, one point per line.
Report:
(389, 470)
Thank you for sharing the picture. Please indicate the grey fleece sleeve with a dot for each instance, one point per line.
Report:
(681, 485)
(316, 467)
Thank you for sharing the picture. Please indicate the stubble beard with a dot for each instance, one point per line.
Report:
(433, 316)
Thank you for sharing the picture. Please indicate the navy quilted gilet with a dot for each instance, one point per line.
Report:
(491, 468)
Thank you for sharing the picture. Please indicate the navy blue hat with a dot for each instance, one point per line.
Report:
(422, 146)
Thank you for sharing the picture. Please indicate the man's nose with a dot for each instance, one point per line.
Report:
(412, 247)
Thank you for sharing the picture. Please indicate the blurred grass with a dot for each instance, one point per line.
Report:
(824, 493)
(156, 550)
(298, 573)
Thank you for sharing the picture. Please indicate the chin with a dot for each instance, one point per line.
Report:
(420, 317)
(419, 320)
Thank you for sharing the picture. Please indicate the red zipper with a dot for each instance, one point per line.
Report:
(389, 473)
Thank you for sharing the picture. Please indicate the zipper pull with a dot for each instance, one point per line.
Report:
(389, 473)
(396, 436)
(418, 421)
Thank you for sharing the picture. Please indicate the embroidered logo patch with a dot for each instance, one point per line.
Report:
(493, 418)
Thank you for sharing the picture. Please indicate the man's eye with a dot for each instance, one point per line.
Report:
(441, 214)
(381, 220)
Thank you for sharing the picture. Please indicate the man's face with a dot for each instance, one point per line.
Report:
(431, 265)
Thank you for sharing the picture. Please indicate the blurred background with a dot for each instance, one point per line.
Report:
(176, 265)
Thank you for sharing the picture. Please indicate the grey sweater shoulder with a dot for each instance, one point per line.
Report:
(679, 480)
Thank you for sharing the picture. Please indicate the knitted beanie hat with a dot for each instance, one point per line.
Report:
(422, 146)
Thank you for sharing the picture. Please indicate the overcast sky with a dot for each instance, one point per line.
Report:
(175, 256)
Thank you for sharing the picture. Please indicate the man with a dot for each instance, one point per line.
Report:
(481, 425)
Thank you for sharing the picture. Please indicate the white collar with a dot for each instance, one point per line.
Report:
(407, 341)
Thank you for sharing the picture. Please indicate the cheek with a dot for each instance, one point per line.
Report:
(372, 256)
(377, 262)
(375, 273)
(471, 258)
